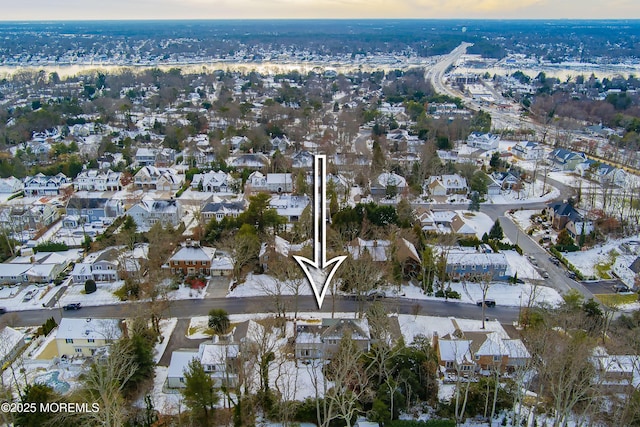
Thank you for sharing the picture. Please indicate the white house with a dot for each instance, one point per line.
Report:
(272, 182)
(528, 150)
(11, 185)
(148, 212)
(95, 180)
(483, 141)
(214, 182)
(42, 185)
(163, 179)
(444, 185)
(289, 206)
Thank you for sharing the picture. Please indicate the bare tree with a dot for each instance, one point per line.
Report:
(350, 380)
(104, 383)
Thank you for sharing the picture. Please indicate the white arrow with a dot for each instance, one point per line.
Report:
(319, 271)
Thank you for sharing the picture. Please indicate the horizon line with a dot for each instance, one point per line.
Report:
(36, 20)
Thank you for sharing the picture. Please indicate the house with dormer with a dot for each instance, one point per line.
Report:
(11, 185)
(388, 184)
(603, 173)
(221, 209)
(257, 161)
(444, 185)
(288, 206)
(566, 160)
(528, 150)
(316, 341)
(214, 182)
(149, 212)
(483, 141)
(191, 259)
(564, 216)
(42, 185)
(96, 180)
(155, 178)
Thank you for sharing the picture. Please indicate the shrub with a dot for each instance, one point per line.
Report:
(90, 286)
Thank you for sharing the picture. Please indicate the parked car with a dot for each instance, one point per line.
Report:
(554, 260)
(571, 275)
(3, 310)
(72, 306)
(621, 288)
(487, 303)
(544, 274)
(374, 295)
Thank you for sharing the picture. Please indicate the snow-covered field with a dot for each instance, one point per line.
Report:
(521, 265)
(585, 261)
(263, 284)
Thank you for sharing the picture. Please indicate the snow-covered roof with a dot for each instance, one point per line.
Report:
(88, 328)
(194, 253)
(179, 363)
(376, 248)
(458, 351)
(214, 354)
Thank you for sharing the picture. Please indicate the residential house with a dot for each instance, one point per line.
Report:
(566, 160)
(148, 212)
(280, 143)
(45, 267)
(564, 216)
(627, 269)
(291, 207)
(459, 226)
(88, 208)
(250, 161)
(444, 185)
(11, 185)
(220, 358)
(42, 185)
(179, 364)
(191, 259)
(464, 352)
(155, 178)
(454, 354)
(528, 150)
(12, 342)
(483, 141)
(471, 265)
(214, 182)
(388, 184)
(302, 160)
(14, 273)
(145, 156)
(221, 209)
(275, 250)
(379, 250)
(313, 341)
(95, 180)
(601, 172)
(618, 373)
(507, 180)
(82, 337)
(102, 266)
(271, 183)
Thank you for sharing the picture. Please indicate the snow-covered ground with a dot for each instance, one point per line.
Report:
(521, 265)
(503, 293)
(30, 297)
(538, 192)
(586, 261)
(479, 221)
(263, 284)
(166, 329)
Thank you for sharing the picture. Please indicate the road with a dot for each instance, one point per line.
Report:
(186, 309)
(435, 74)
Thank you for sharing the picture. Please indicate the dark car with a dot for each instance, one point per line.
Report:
(3, 310)
(376, 295)
(621, 288)
(74, 306)
(555, 260)
(487, 303)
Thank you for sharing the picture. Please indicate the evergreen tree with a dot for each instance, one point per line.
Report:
(199, 393)
(474, 205)
(496, 232)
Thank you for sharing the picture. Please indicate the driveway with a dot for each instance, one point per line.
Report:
(179, 340)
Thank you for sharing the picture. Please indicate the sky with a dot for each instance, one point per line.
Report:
(292, 9)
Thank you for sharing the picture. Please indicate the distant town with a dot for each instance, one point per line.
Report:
(483, 182)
